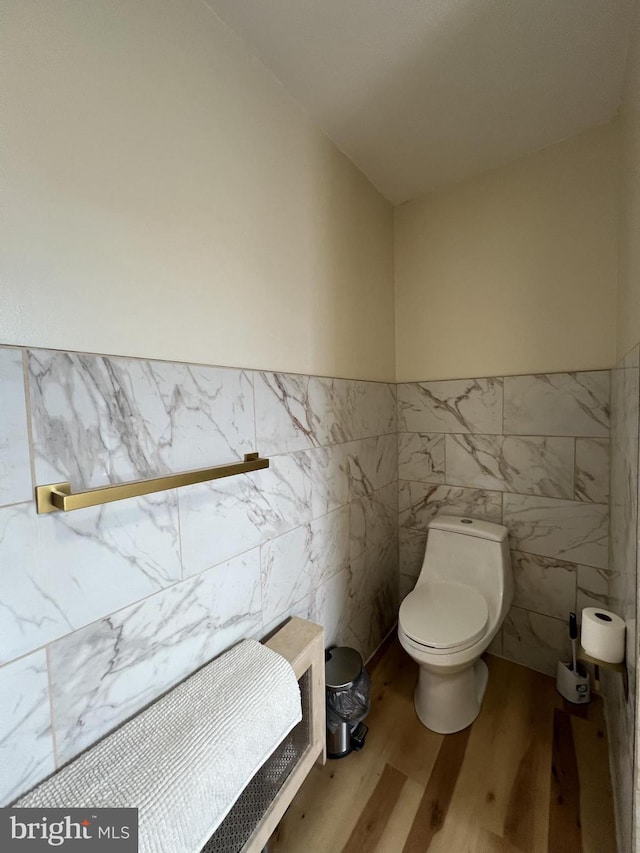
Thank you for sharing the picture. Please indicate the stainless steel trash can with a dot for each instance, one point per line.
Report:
(343, 669)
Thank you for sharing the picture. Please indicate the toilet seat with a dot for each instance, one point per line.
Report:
(442, 615)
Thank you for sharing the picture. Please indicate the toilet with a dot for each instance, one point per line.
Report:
(460, 600)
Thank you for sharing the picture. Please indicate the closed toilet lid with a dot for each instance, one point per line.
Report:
(444, 615)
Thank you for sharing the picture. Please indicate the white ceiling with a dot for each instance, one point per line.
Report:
(420, 93)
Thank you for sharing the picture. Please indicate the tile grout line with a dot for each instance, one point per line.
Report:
(17, 503)
(41, 648)
(135, 603)
(183, 579)
(522, 435)
(52, 713)
(205, 364)
(395, 383)
(234, 556)
(186, 578)
(515, 547)
(310, 449)
(433, 483)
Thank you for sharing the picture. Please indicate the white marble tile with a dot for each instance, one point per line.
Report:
(544, 585)
(592, 469)
(332, 605)
(406, 584)
(460, 405)
(370, 409)
(420, 502)
(330, 477)
(286, 575)
(98, 420)
(285, 490)
(593, 588)
(356, 409)
(373, 519)
(295, 412)
(620, 733)
(421, 457)
(15, 466)
(305, 609)
(412, 546)
(328, 398)
(330, 544)
(411, 550)
(219, 520)
(373, 463)
(374, 573)
(622, 600)
(531, 465)
(568, 530)
(26, 746)
(108, 671)
(535, 641)
(223, 518)
(297, 562)
(495, 646)
(62, 571)
(557, 404)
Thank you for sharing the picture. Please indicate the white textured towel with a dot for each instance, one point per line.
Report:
(185, 760)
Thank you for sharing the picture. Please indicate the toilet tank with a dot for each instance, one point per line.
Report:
(469, 551)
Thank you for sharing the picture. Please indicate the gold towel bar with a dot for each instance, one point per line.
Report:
(58, 496)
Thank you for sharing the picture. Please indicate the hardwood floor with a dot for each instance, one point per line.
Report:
(529, 776)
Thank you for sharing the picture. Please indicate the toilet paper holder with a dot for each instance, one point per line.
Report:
(597, 663)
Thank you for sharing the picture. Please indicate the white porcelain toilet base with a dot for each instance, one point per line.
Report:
(447, 703)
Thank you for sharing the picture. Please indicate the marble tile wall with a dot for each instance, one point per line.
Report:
(624, 554)
(531, 452)
(103, 609)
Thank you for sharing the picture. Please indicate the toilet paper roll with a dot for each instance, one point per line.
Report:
(603, 634)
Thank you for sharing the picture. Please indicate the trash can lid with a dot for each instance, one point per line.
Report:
(342, 666)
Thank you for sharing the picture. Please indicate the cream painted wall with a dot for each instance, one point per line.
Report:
(629, 274)
(164, 197)
(513, 271)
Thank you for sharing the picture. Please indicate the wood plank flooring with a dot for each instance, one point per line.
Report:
(529, 776)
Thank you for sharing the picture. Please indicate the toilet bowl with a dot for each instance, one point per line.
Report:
(460, 600)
